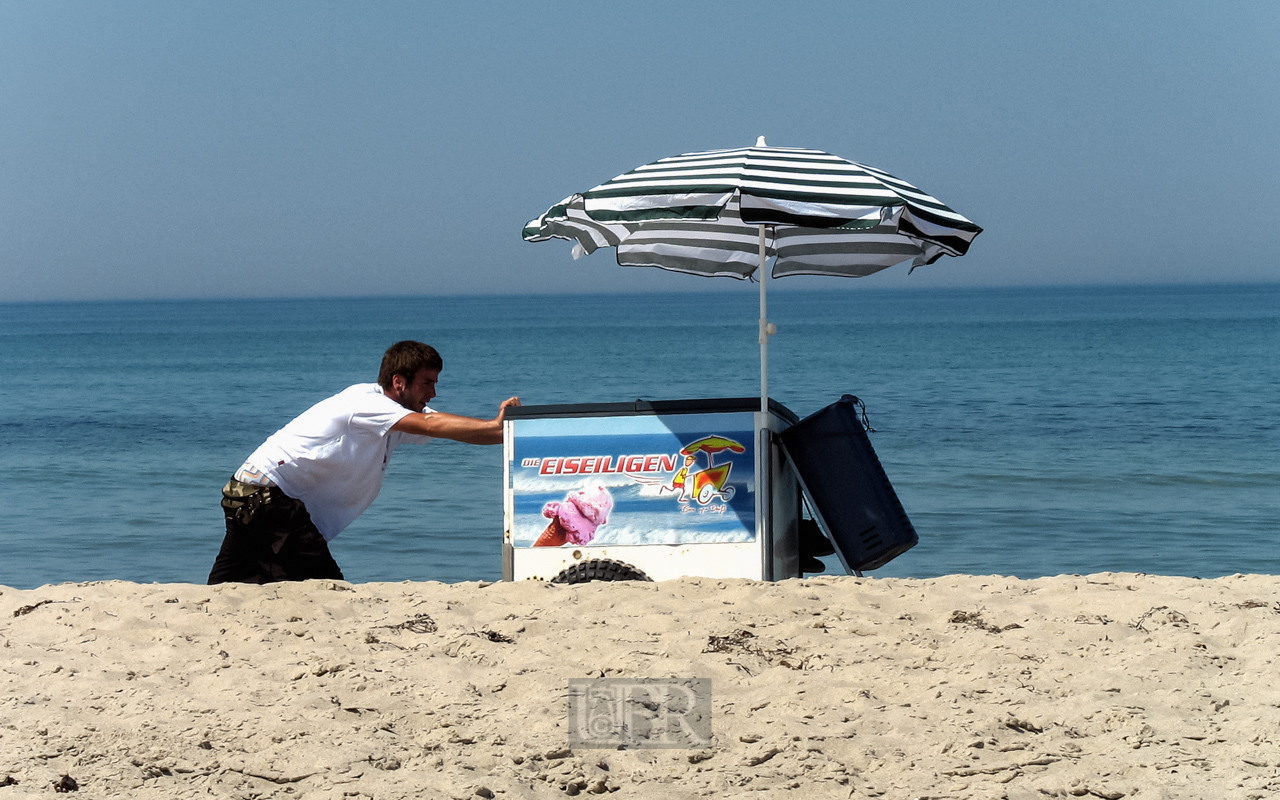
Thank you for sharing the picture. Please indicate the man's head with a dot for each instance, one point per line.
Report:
(409, 372)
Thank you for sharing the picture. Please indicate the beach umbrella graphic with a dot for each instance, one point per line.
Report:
(712, 445)
(726, 212)
(709, 484)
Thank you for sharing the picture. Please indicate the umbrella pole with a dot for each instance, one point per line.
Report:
(764, 332)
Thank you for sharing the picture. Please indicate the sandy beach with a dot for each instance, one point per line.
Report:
(1109, 685)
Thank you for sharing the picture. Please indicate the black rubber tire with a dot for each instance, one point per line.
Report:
(600, 569)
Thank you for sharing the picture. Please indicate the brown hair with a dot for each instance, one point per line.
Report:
(406, 358)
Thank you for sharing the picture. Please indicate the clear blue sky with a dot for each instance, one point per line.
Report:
(231, 149)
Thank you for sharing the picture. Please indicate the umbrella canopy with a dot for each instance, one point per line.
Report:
(701, 212)
(725, 212)
(711, 445)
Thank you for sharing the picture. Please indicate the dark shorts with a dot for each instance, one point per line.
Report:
(270, 537)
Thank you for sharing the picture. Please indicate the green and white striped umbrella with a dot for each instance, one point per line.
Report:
(701, 213)
(726, 212)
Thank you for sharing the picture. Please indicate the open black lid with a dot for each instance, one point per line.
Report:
(846, 487)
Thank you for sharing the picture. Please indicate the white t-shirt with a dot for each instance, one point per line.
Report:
(332, 456)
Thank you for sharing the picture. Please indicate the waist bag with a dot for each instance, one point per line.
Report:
(241, 500)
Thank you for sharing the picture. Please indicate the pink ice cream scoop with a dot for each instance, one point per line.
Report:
(581, 512)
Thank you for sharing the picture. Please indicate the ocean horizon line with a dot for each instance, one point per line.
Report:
(720, 289)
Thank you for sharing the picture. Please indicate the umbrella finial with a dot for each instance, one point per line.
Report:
(760, 142)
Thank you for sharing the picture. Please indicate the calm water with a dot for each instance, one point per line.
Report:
(1028, 432)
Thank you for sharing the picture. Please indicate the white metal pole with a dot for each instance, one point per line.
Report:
(764, 321)
(764, 332)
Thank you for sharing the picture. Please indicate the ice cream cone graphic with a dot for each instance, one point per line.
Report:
(553, 536)
(575, 519)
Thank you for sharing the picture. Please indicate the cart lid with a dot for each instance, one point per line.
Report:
(718, 405)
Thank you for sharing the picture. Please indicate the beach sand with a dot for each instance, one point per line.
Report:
(1109, 685)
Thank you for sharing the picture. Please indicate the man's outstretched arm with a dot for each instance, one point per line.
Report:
(456, 427)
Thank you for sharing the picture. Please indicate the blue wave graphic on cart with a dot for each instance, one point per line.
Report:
(642, 528)
(634, 519)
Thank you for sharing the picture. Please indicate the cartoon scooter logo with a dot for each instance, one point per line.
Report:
(706, 485)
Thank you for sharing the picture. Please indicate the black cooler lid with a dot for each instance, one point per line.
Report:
(846, 486)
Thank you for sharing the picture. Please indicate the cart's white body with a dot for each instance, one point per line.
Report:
(745, 527)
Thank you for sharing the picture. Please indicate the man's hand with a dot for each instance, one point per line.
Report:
(456, 427)
(502, 408)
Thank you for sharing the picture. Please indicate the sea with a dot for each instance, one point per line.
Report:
(1027, 431)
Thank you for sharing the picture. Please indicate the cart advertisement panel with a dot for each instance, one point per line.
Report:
(673, 479)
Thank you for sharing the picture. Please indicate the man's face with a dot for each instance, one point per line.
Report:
(416, 392)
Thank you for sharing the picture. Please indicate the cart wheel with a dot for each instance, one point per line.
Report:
(600, 569)
(706, 493)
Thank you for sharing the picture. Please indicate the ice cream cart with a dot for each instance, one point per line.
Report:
(652, 490)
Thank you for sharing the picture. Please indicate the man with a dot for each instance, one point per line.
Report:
(314, 476)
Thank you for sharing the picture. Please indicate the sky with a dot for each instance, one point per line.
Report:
(154, 150)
